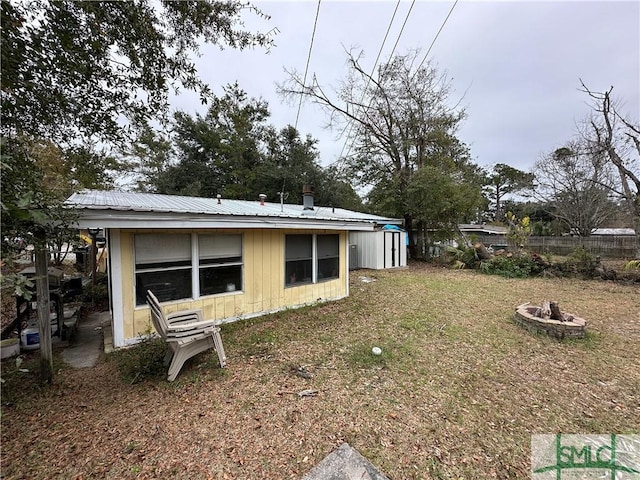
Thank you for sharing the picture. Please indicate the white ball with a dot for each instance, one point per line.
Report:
(376, 351)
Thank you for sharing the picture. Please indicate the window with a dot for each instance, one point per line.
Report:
(311, 258)
(220, 263)
(168, 264)
(298, 259)
(163, 265)
(328, 247)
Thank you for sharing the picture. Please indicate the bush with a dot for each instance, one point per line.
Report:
(142, 361)
(512, 267)
(583, 263)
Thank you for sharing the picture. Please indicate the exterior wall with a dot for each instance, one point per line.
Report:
(263, 290)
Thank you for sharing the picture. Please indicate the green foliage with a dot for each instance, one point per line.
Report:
(71, 68)
(461, 257)
(142, 361)
(632, 265)
(518, 231)
(361, 356)
(511, 266)
(503, 180)
(583, 262)
(234, 152)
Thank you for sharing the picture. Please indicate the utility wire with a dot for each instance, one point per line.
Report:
(304, 82)
(369, 79)
(406, 18)
(437, 35)
(306, 68)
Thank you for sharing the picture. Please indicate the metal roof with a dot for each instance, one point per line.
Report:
(149, 205)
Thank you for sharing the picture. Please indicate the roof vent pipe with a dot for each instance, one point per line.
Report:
(219, 197)
(263, 197)
(307, 197)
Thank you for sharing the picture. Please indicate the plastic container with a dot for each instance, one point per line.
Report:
(9, 347)
(30, 336)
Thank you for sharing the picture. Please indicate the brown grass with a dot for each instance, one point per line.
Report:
(457, 392)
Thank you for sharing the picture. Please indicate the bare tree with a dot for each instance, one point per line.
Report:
(615, 135)
(574, 182)
(397, 120)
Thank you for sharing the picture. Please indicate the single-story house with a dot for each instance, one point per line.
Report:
(233, 259)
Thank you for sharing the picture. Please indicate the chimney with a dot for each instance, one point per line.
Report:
(307, 197)
(263, 197)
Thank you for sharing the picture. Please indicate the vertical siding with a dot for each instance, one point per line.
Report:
(263, 290)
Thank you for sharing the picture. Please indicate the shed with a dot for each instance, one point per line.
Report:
(383, 248)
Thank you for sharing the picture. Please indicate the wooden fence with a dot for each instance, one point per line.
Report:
(622, 246)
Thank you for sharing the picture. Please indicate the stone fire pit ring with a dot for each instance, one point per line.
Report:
(525, 316)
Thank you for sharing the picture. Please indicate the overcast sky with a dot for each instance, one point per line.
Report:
(517, 64)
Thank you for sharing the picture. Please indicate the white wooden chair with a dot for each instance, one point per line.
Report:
(186, 334)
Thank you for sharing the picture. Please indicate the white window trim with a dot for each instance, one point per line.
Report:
(314, 260)
(194, 267)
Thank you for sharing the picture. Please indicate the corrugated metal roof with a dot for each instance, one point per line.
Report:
(153, 202)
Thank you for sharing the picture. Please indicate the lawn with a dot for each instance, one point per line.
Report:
(457, 392)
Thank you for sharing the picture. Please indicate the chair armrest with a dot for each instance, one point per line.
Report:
(184, 316)
(189, 326)
(184, 338)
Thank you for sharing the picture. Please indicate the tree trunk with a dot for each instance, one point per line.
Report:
(408, 225)
(482, 252)
(44, 322)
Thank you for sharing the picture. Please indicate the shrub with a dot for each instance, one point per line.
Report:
(512, 267)
(142, 361)
(583, 263)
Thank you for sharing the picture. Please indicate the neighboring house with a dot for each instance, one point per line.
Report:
(233, 259)
(614, 231)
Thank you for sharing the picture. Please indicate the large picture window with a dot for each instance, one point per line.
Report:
(168, 264)
(311, 258)
(220, 263)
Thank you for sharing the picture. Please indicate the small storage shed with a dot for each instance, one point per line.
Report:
(383, 248)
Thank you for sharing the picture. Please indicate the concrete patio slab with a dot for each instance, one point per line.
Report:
(345, 463)
(87, 345)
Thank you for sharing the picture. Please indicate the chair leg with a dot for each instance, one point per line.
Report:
(185, 352)
(167, 357)
(217, 340)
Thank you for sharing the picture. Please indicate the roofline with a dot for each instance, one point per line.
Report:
(94, 218)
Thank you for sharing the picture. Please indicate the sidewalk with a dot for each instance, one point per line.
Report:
(88, 342)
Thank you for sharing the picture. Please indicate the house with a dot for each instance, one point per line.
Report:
(233, 259)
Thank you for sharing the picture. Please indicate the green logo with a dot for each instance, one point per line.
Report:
(559, 456)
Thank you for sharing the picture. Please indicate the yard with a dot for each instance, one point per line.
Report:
(456, 393)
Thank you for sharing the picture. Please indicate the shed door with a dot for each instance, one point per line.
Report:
(391, 249)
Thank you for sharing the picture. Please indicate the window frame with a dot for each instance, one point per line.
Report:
(315, 259)
(194, 267)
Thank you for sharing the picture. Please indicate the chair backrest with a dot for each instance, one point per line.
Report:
(157, 315)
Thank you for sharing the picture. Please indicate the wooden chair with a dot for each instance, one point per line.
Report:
(186, 334)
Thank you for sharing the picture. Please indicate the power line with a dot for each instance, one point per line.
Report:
(306, 68)
(369, 79)
(406, 18)
(437, 35)
(304, 82)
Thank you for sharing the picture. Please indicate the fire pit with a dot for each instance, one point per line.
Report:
(549, 320)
